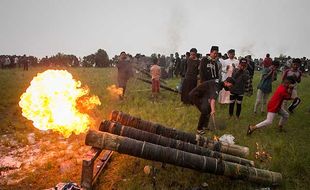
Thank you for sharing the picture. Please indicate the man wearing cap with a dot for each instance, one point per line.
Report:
(210, 66)
(204, 96)
(227, 69)
(241, 76)
(190, 79)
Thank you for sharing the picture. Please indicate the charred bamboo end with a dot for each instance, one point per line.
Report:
(102, 140)
(114, 115)
(236, 150)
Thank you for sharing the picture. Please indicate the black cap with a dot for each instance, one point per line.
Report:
(214, 48)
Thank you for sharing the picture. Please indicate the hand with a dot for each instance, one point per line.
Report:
(212, 112)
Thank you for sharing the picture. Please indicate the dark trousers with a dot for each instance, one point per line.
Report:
(235, 98)
(204, 107)
(188, 85)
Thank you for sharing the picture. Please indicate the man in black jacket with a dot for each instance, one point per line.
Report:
(204, 96)
(210, 66)
(241, 76)
(190, 79)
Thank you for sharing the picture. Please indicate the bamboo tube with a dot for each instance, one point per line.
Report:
(130, 132)
(128, 120)
(176, 157)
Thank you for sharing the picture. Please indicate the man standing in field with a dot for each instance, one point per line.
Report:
(241, 76)
(267, 61)
(227, 69)
(155, 73)
(210, 66)
(264, 87)
(190, 80)
(124, 72)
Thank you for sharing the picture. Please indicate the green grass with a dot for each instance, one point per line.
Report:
(290, 151)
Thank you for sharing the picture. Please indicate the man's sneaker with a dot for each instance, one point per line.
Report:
(290, 110)
(250, 129)
(200, 132)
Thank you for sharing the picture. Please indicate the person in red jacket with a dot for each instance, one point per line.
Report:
(283, 92)
(267, 61)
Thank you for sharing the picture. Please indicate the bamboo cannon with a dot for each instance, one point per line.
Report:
(176, 157)
(130, 132)
(128, 120)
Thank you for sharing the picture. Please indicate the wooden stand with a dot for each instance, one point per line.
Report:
(95, 157)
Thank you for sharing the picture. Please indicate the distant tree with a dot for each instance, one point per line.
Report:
(60, 59)
(102, 58)
(154, 55)
(89, 60)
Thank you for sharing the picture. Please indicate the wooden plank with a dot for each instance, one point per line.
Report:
(95, 157)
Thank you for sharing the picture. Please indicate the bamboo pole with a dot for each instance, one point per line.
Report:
(176, 157)
(128, 120)
(130, 132)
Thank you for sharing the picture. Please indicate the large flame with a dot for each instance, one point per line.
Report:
(54, 100)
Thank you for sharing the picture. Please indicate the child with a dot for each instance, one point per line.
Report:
(264, 87)
(155, 73)
(283, 92)
(241, 76)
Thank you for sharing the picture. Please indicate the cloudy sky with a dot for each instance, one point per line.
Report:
(80, 27)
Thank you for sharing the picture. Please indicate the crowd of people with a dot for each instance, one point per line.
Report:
(226, 79)
(207, 79)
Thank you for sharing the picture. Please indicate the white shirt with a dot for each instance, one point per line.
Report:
(228, 66)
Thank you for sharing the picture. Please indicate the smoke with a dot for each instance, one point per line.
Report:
(247, 49)
(176, 24)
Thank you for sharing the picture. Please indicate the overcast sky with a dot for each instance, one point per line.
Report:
(80, 27)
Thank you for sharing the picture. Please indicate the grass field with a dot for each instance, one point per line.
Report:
(290, 151)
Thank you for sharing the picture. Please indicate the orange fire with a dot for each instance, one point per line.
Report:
(216, 138)
(114, 91)
(54, 100)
